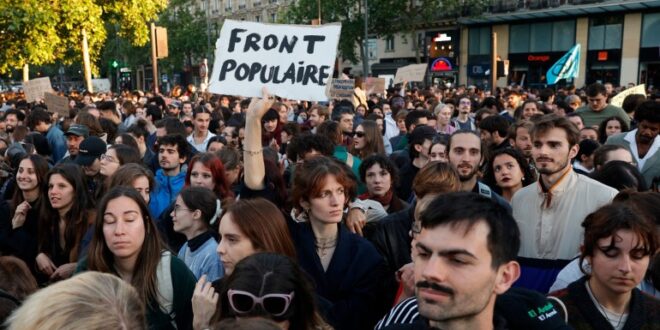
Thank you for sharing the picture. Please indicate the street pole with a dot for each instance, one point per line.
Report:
(318, 3)
(154, 58)
(26, 72)
(365, 60)
(493, 63)
(86, 65)
(208, 30)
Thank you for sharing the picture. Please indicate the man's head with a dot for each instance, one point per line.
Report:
(609, 89)
(519, 137)
(172, 152)
(13, 118)
(464, 105)
(648, 119)
(305, 146)
(39, 120)
(585, 154)
(416, 118)
(609, 152)
(317, 115)
(187, 107)
(89, 154)
(108, 110)
(512, 100)
(493, 130)
(420, 141)
(465, 153)
(74, 136)
(554, 144)
(201, 120)
(464, 257)
(588, 133)
(576, 120)
(597, 97)
(270, 120)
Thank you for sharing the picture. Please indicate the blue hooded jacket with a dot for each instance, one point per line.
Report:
(165, 192)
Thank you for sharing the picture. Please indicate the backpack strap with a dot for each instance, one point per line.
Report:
(165, 286)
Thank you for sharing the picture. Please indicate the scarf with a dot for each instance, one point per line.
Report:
(383, 200)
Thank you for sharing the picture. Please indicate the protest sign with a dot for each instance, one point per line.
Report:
(34, 89)
(56, 103)
(375, 86)
(341, 89)
(292, 61)
(412, 72)
(101, 85)
(617, 100)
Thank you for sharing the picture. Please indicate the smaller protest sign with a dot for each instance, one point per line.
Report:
(375, 85)
(34, 89)
(341, 89)
(412, 72)
(56, 103)
(617, 100)
(101, 85)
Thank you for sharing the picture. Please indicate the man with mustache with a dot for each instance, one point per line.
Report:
(643, 142)
(549, 213)
(465, 152)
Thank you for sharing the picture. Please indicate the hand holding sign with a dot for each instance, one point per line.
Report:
(294, 62)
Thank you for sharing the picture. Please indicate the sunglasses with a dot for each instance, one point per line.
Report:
(358, 134)
(275, 304)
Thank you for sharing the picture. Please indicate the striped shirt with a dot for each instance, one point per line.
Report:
(404, 312)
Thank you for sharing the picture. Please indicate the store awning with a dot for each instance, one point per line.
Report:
(566, 10)
(386, 68)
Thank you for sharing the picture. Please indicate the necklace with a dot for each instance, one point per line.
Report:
(603, 310)
(323, 245)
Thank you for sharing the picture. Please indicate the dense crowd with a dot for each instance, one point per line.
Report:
(416, 208)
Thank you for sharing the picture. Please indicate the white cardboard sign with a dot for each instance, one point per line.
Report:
(34, 89)
(617, 100)
(292, 61)
(412, 72)
(101, 85)
(342, 89)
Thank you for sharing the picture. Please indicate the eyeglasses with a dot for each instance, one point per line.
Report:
(275, 304)
(358, 134)
(178, 208)
(108, 158)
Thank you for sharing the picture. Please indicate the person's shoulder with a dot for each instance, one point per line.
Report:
(618, 139)
(597, 187)
(582, 110)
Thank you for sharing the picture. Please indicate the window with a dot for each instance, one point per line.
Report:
(257, 18)
(650, 28)
(605, 32)
(273, 17)
(542, 37)
(228, 5)
(479, 41)
(389, 44)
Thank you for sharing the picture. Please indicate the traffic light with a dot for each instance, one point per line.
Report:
(114, 64)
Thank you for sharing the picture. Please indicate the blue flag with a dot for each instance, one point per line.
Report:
(568, 66)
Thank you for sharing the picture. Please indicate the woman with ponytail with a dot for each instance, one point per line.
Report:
(195, 214)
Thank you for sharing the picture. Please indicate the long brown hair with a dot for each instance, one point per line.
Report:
(101, 259)
(263, 223)
(76, 222)
(373, 140)
(40, 165)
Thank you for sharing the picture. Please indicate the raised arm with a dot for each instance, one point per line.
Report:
(253, 158)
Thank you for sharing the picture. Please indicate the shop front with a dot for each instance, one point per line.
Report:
(441, 50)
(603, 66)
(529, 70)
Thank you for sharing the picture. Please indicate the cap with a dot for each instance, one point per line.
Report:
(78, 130)
(527, 309)
(90, 149)
(421, 133)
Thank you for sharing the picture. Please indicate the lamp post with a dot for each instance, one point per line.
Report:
(365, 59)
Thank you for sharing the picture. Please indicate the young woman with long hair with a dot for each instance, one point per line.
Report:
(63, 222)
(126, 243)
(19, 230)
(136, 176)
(367, 140)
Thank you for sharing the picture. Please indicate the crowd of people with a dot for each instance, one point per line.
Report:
(418, 208)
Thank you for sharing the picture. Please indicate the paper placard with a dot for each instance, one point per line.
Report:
(292, 61)
(341, 89)
(34, 89)
(375, 86)
(412, 72)
(617, 100)
(101, 85)
(56, 103)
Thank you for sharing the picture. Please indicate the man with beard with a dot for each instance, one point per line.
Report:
(13, 118)
(466, 154)
(519, 138)
(172, 151)
(464, 121)
(494, 131)
(643, 142)
(549, 213)
(513, 99)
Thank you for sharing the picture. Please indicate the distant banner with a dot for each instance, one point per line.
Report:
(412, 72)
(34, 89)
(293, 61)
(101, 85)
(375, 86)
(617, 100)
(341, 89)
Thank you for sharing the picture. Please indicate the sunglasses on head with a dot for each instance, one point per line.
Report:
(358, 134)
(275, 304)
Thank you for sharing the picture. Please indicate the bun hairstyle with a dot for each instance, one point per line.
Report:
(204, 200)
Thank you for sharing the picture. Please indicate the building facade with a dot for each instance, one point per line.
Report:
(620, 41)
(266, 11)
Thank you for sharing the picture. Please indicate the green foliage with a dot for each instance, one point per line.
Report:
(186, 34)
(41, 32)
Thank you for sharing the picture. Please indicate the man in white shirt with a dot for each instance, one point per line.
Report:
(200, 136)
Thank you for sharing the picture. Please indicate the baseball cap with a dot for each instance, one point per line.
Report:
(527, 309)
(90, 149)
(78, 130)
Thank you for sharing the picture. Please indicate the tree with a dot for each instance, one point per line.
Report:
(186, 33)
(37, 32)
